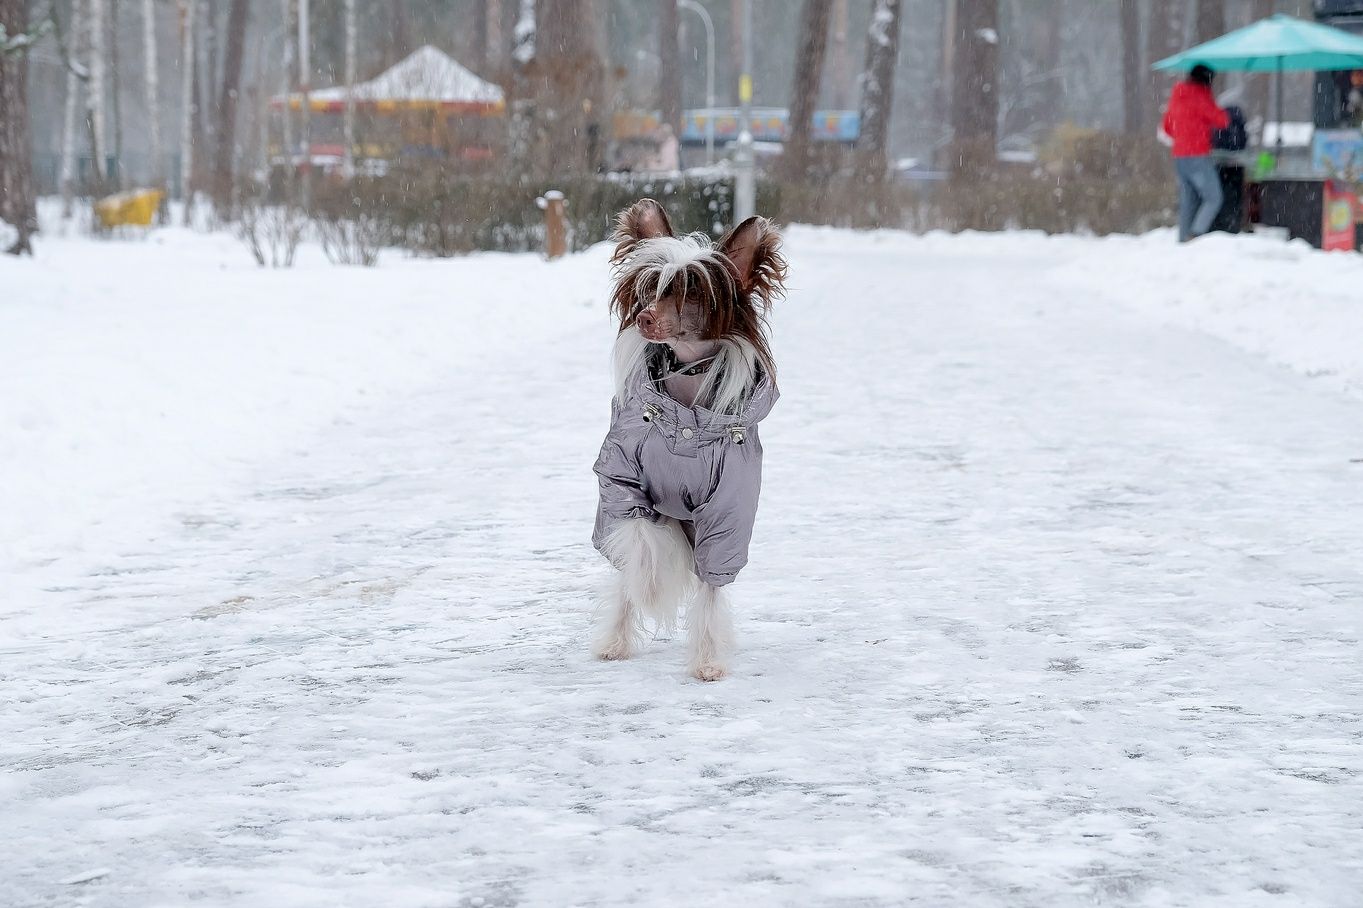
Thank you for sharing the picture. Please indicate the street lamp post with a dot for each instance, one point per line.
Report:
(745, 188)
(694, 7)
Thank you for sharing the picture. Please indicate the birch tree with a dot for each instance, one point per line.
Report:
(810, 49)
(151, 91)
(187, 106)
(70, 43)
(877, 87)
(94, 96)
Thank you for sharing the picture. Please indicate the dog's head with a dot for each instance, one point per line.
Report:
(685, 289)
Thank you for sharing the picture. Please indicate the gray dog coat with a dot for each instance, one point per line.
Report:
(704, 469)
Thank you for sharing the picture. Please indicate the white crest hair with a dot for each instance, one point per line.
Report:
(657, 262)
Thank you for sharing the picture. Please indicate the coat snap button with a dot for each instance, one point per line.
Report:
(687, 433)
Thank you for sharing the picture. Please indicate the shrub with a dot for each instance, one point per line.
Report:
(430, 211)
(271, 232)
(1084, 180)
(351, 233)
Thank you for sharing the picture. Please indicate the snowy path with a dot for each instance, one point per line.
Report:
(1048, 605)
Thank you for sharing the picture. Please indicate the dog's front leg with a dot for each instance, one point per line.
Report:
(709, 634)
(620, 627)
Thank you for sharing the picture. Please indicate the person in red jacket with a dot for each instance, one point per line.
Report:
(1189, 120)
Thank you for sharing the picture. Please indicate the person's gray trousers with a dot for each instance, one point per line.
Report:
(1199, 195)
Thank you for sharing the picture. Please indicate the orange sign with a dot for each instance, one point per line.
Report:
(1337, 218)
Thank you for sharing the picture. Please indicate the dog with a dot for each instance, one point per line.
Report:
(681, 467)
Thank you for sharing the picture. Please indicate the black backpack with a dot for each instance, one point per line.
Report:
(1234, 137)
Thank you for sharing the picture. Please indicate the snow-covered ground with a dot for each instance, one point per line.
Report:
(1054, 598)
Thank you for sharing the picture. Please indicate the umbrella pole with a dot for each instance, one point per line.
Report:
(1278, 100)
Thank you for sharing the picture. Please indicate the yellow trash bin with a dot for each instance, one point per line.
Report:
(135, 207)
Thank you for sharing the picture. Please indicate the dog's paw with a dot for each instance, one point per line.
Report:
(708, 671)
(613, 648)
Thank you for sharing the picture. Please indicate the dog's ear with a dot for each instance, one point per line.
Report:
(644, 220)
(754, 247)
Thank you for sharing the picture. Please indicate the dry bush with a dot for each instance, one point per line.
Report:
(351, 231)
(272, 232)
(350, 241)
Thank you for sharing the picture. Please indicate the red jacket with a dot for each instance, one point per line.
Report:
(1192, 115)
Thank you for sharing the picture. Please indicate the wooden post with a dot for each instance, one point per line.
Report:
(555, 224)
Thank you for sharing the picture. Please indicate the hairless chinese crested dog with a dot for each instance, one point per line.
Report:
(681, 466)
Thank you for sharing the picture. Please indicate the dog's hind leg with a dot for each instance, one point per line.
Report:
(709, 634)
(655, 575)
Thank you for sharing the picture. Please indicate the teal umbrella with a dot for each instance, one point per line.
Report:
(1277, 44)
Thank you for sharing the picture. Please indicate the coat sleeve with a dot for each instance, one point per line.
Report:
(724, 522)
(622, 494)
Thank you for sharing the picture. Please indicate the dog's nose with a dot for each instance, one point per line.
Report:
(647, 321)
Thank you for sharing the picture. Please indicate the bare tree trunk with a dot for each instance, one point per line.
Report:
(736, 42)
(305, 92)
(1053, 78)
(1133, 80)
(227, 105)
(74, 52)
(95, 93)
(839, 66)
(400, 41)
(974, 95)
(286, 115)
(522, 138)
(205, 93)
(152, 91)
(18, 207)
(348, 125)
(494, 45)
(187, 107)
(1259, 83)
(568, 79)
(116, 94)
(669, 66)
(1211, 20)
(1164, 38)
(877, 87)
(478, 58)
(810, 48)
(947, 71)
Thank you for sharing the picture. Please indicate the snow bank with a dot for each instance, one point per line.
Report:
(137, 376)
(1296, 306)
